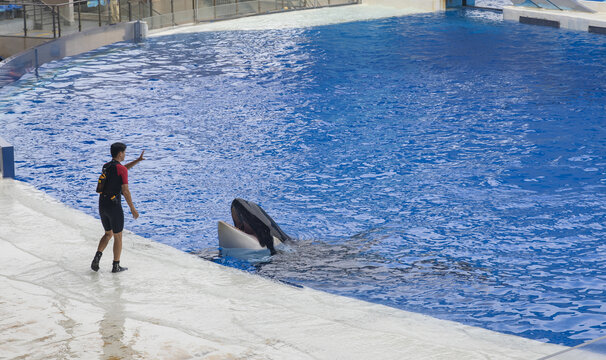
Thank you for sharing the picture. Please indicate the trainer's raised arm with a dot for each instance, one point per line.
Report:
(135, 162)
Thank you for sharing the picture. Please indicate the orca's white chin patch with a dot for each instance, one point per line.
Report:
(231, 237)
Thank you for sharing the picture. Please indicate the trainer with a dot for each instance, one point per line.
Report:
(110, 204)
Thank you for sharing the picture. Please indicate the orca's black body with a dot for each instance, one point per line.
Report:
(252, 219)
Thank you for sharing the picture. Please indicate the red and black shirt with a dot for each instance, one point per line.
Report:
(117, 175)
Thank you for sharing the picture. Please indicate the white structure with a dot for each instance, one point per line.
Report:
(592, 16)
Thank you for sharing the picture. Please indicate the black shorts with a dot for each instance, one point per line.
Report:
(111, 213)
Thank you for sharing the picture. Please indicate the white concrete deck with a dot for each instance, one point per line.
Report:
(173, 305)
(572, 20)
(299, 19)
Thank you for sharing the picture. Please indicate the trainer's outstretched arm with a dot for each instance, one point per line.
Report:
(129, 200)
(135, 162)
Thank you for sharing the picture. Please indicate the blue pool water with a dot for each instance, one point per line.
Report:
(448, 164)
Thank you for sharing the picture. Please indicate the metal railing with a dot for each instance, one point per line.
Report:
(194, 11)
(45, 20)
(42, 19)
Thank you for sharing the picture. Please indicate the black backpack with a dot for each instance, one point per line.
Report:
(103, 177)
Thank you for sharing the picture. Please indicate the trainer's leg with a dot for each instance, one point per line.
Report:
(105, 240)
(117, 250)
(117, 245)
(102, 245)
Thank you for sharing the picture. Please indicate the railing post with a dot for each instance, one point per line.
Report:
(24, 21)
(99, 10)
(236, 7)
(59, 21)
(172, 11)
(7, 160)
(151, 9)
(130, 11)
(215, 8)
(195, 9)
(79, 17)
(54, 25)
(259, 3)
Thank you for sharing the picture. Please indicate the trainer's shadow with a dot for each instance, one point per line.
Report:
(112, 326)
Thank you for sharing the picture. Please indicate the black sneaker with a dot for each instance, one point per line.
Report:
(117, 268)
(95, 264)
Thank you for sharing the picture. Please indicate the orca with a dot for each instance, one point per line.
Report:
(253, 229)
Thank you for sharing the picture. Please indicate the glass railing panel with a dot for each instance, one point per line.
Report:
(44, 21)
(159, 21)
(11, 19)
(225, 11)
(206, 13)
(247, 7)
(41, 21)
(184, 17)
(271, 5)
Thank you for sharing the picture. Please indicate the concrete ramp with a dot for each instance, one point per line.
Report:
(170, 304)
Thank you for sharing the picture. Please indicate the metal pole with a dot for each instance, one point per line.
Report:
(54, 26)
(130, 11)
(236, 7)
(119, 11)
(193, 6)
(172, 10)
(59, 21)
(99, 10)
(151, 9)
(215, 8)
(259, 3)
(24, 21)
(79, 16)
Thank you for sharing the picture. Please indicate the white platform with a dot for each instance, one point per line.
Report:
(573, 20)
(173, 305)
(302, 18)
